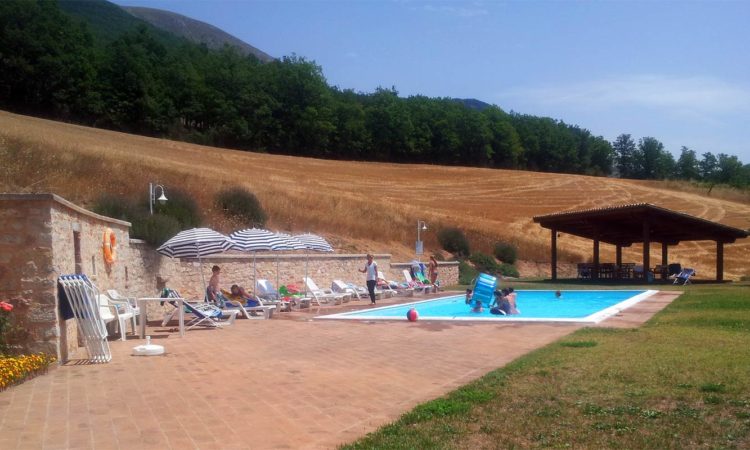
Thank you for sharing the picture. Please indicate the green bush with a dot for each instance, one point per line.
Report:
(466, 273)
(454, 240)
(155, 229)
(508, 270)
(181, 207)
(240, 204)
(115, 207)
(180, 212)
(506, 252)
(484, 263)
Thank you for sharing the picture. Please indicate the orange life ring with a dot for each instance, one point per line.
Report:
(110, 246)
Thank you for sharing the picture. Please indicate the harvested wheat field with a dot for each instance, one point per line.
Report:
(359, 206)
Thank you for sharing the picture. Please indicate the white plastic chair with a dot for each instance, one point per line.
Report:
(118, 311)
(129, 303)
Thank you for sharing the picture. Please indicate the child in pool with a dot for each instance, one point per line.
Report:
(468, 296)
(477, 307)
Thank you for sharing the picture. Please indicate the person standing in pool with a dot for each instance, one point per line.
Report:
(371, 269)
(512, 300)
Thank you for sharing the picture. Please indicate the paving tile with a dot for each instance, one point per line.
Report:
(283, 383)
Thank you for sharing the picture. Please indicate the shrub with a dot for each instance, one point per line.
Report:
(155, 229)
(181, 207)
(466, 273)
(454, 240)
(240, 204)
(506, 252)
(484, 263)
(508, 270)
(115, 207)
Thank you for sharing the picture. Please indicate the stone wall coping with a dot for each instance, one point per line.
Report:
(440, 263)
(282, 256)
(56, 198)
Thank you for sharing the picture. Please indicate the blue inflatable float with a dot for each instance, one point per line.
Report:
(484, 289)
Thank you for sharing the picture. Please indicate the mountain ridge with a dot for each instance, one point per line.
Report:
(194, 30)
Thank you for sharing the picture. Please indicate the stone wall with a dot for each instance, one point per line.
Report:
(25, 261)
(447, 272)
(238, 269)
(68, 223)
(39, 244)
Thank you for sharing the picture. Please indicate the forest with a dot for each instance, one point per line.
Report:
(52, 65)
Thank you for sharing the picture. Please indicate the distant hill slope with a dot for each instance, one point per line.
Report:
(473, 103)
(107, 21)
(361, 207)
(194, 30)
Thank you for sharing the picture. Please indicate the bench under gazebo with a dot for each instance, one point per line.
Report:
(641, 223)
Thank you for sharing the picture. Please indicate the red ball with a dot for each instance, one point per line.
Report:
(412, 315)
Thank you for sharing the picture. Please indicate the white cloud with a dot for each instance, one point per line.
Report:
(694, 96)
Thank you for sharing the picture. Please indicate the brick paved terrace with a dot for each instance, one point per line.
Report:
(289, 382)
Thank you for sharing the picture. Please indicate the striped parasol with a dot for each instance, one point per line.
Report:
(255, 240)
(196, 243)
(286, 242)
(314, 242)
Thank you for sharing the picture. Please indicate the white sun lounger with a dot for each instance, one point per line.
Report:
(325, 295)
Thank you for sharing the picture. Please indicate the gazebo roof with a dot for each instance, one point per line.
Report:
(624, 225)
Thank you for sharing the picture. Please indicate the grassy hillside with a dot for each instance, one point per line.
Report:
(361, 206)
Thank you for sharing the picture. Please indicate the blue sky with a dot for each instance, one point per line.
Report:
(675, 70)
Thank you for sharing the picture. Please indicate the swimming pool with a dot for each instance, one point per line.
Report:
(535, 306)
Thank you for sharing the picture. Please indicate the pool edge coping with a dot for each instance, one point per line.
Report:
(594, 318)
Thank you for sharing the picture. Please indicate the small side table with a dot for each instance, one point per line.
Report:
(144, 314)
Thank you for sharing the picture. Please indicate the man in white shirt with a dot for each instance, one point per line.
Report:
(371, 269)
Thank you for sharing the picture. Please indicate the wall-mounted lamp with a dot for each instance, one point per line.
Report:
(152, 196)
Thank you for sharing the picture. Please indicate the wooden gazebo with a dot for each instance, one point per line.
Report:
(644, 223)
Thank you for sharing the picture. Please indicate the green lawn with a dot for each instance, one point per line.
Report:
(680, 381)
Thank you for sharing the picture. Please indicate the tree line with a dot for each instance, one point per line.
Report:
(649, 160)
(52, 65)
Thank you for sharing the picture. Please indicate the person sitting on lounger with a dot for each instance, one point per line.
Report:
(238, 295)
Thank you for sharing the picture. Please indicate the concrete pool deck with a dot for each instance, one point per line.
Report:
(289, 382)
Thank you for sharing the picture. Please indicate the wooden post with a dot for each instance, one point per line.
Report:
(646, 249)
(719, 261)
(618, 261)
(664, 261)
(554, 254)
(596, 259)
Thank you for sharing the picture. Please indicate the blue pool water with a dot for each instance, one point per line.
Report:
(572, 306)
